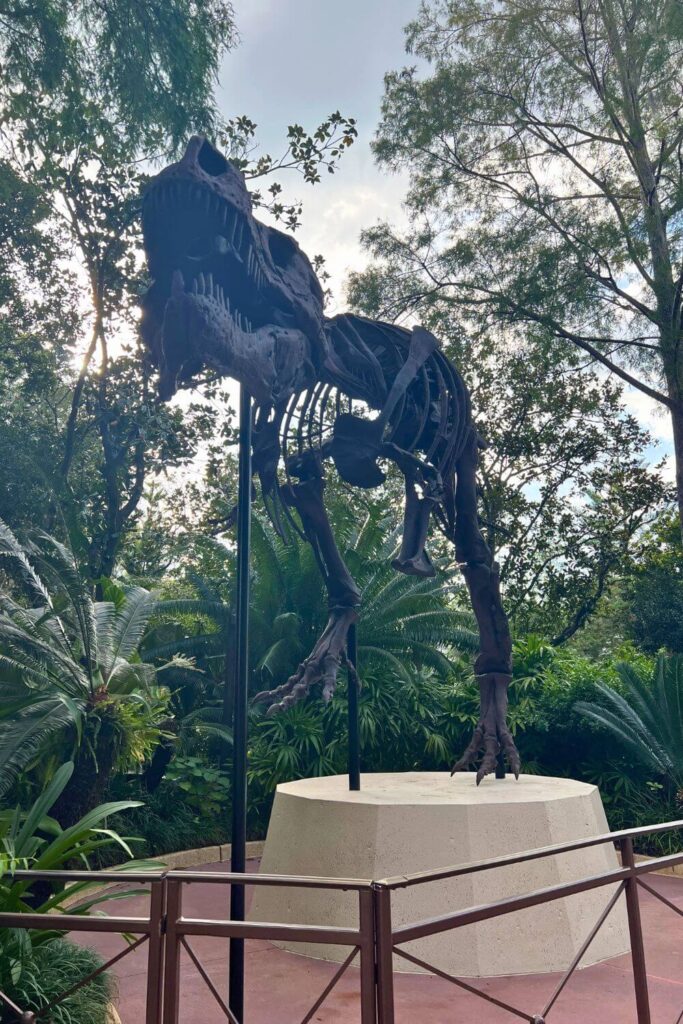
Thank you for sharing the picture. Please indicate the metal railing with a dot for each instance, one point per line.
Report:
(166, 932)
(628, 879)
(374, 942)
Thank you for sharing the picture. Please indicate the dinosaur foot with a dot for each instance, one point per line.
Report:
(491, 735)
(321, 666)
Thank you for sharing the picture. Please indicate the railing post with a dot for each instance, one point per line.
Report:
(636, 932)
(171, 989)
(366, 916)
(155, 958)
(384, 954)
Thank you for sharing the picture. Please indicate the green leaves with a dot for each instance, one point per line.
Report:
(151, 65)
(647, 718)
(64, 661)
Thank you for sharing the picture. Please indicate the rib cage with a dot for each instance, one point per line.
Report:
(431, 420)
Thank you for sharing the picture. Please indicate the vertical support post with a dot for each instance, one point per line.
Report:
(239, 762)
(384, 954)
(366, 915)
(171, 989)
(353, 726)
(636, 932)
(156, 954)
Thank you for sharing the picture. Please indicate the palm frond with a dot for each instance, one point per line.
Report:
(23, 735)
(128, 627)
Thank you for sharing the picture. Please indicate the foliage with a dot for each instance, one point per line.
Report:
(543, 144)
(151, 67)
(45, 972)
(205, 789)
(72, 679)
(90, 98)
(413, 720)
(647, 718)
(38, 964)
(33, 840)
(655, 590)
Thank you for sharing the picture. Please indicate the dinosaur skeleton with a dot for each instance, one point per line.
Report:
(242, 299)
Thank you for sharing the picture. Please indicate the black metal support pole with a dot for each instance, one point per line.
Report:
(354, 732)
(239, 764)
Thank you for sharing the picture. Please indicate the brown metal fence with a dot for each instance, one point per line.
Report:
(374, 942)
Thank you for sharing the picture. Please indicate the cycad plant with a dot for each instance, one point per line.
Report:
(71, 682)
(406, 622)
(647, 718)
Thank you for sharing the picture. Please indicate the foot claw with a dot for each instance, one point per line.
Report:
(321, 666)
(491, 735)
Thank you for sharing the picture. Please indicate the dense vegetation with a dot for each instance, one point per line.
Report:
(116, 549)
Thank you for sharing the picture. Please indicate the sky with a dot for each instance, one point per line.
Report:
(299, 60)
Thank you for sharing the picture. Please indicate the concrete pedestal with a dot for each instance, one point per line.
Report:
(418, 821)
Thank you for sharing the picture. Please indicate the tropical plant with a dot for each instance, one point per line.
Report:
(37, 964)
(72, 681)
(647, 718)
(205, 789)
(47, 972)
(405, 621)
(36, 841)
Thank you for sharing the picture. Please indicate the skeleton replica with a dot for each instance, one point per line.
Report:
(242, 299)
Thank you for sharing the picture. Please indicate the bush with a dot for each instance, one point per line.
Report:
(165, 824)
(37, 976)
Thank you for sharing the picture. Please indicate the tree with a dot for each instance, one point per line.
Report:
(88, 102)
(70, 673)
(654, 589)
(545, 146)
(151, 66)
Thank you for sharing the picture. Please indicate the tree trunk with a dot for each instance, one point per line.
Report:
(677, 423)
(89, 783)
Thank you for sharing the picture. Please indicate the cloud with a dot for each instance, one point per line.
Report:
(332, 224)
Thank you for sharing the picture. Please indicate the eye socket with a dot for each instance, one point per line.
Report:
(282, 248)
(211, 161)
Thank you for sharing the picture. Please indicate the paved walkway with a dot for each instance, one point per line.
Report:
(281, 987)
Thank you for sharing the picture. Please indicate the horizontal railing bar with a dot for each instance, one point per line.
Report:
(268, 930)
(298, 881)
(473, 915)
(89, 876)
(303, 881)
(645, 867)
(454, 871)
(76, 923)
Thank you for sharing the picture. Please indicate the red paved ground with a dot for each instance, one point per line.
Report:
(281, 987)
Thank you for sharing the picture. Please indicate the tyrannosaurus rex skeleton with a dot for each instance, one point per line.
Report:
(234, 295)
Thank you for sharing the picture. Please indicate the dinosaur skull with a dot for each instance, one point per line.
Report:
(227, 292)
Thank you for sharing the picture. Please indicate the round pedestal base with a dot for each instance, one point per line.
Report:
(418, 821)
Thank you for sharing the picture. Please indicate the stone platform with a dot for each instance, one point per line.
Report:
(419, 821)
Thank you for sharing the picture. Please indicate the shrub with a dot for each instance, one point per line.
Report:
(37, 976)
